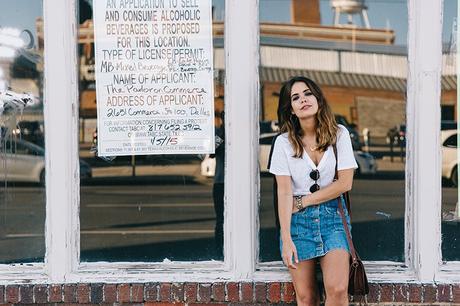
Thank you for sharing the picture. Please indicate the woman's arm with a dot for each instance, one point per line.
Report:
(285, 211)
(332, 191)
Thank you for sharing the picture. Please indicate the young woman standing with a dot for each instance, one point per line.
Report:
(303, 162)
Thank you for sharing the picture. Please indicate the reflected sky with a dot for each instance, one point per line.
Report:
(382, 13)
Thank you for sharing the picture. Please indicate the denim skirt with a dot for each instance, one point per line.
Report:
(318, 229)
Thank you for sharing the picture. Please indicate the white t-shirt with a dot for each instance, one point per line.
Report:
(283, 162)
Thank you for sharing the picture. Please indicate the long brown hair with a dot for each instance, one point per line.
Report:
(326, 126)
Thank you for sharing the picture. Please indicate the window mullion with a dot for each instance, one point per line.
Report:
(423, 197)
(60, 112)
(242, 104)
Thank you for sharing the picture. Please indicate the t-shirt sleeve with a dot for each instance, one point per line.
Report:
(279, 162)
(346, 158)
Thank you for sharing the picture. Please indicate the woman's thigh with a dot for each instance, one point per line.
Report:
(335, 266)
(304, 278)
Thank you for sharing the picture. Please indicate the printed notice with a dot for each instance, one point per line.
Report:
(154, 77)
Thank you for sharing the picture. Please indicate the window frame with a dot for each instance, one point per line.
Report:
(423, 168)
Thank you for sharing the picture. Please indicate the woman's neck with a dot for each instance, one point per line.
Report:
(308, 127)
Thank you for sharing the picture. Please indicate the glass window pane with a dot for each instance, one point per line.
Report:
(359, 59)
(22, 160)
(449, 135)
(150, 208)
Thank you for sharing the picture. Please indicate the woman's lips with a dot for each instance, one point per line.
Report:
(305, 107)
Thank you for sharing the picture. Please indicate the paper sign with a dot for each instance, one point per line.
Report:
(154, 77)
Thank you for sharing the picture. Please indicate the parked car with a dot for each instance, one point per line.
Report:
(366, 162)
(23, 161)
(449, 156)
(397, 135)
(351, 127)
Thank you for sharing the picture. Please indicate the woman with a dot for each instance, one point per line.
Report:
(303, 162)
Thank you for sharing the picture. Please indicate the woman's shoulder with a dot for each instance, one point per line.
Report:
(282, 140)
(342, 131)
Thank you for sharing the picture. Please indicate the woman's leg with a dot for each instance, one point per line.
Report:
(305, 286)
(335, 266)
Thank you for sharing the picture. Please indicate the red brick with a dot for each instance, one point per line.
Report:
(218, 292)
(41, 294)
(165, 292)
(429, 293)
(151, 292)
(415, 293)
(233, 292)
(288, 295)
(55, 293)
(261, 292)
(137, 293)
(401, 293)
(204, 293)
(163, 304)
(444, 293)
(70, 293)
(247, 292)
(386, 293)
(110, 293)
(123, 293)
(12, 294)
(83, 293)
(177, 292)
(274, 292)
(26, 294)
(190, 292)
(456, 293)
(97, 293)
(213, 304)
(374, 293)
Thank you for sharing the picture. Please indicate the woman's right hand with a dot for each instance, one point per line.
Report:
(289, 252)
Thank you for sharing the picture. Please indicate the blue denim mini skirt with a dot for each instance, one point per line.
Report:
(318, 229)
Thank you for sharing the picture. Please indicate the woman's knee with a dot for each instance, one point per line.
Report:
(307, 298)
(337, 291)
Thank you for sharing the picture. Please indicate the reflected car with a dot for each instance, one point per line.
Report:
(351, 127)
(366, 162)
(23, 161)
(449, 156)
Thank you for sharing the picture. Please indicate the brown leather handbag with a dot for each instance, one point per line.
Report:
(358, 285)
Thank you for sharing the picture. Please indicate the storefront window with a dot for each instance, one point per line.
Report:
(359, 59)
(22, 152)
(449, 134)
(152, 207)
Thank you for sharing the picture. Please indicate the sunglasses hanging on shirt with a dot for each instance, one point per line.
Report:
(314, 175)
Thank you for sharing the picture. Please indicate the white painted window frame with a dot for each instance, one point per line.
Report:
(423, 202)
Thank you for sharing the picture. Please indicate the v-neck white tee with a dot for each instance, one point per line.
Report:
(283, 162)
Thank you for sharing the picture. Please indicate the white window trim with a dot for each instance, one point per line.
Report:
(423, 261)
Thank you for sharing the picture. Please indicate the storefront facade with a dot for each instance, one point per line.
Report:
(423, 275)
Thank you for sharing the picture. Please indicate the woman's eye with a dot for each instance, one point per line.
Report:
(308, 94)
(295, 98)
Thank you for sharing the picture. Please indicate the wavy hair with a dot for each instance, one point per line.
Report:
(326, 126)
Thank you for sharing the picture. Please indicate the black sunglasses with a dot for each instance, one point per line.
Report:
(314, 175)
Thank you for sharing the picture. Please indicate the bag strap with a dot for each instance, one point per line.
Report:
(336, 177)
(354, 255)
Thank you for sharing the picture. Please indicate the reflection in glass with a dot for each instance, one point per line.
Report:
(361, 65)
(22, 160)
(450, 210)
(149, 208)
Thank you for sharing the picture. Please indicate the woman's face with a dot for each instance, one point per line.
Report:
(303, 102)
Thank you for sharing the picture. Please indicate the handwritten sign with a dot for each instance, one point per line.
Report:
(154, 77)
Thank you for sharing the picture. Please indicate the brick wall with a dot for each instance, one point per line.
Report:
(231, 293)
